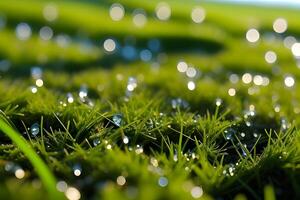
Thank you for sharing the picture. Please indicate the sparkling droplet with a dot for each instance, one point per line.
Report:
(77, 170)
(116, 12)
(72, 193)
(36, 72)
(61, 186)
(163, 181)
(231, 170)
(234, 78)
(83, 91)
(39, 82)
(23, 31)
(9, 166)
(229, 133)
(243, 134)
(247, 78)
(46, 33)
(109, 45)
(198, 15)
(132, 83)
(96, 141)
(219, 102)
(50, 12)
(178, 102)
(70, 98)
(121, 180)
(243, 151)
(145, 55)
(252, 35)
(19, 173)
(231, 92)
(182, 66)
(284, 124)
(139, 149)
(125, 140)
(163, 11)
(289, 81)
(154, 162)
(196, 192)
(139, 17)
(33, 89)
(175, 157)
(270, 57)
(117, 119)
(191, 85)
(280, 25)
(35, 129)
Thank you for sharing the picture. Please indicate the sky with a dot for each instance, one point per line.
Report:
(288, 3)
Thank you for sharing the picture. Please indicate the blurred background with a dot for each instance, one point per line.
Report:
(73, 35)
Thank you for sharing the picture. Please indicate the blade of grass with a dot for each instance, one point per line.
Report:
(41, 168)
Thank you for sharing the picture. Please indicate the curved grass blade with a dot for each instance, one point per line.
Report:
(41, 168)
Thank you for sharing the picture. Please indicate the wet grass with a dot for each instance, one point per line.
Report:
(113, 127)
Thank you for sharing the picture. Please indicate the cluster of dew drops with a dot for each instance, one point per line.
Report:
(152, 54)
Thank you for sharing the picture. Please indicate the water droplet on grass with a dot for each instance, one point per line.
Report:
(23, 31)
(180, 103)
(33, 89)
(229, 133)
(9, 166)
(121, 180)
(163, 181)
(70, 98)
(19, 173)
(35, 129)
(83, 91)
(125, 140)
(242, 134)
(117, 119)
(139, 149)
(284, 124)
(96, 141)
(36, 72)
(145, 55)
(219, 102)
(77, 170)
(150, 123)
(196, 192)
(61, 186)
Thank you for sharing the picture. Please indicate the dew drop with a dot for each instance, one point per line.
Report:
(139, 149)
(196, 192)
(117, 119)
(35, 129)
(229, 133)
(219, 102)
(83, 91)
(179, 103)
(70, 98)
(125, 140)
(96, 142)
(77, 170)
(163, 181)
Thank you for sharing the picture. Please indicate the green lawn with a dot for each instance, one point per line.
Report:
(178, 110)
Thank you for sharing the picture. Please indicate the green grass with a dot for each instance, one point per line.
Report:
(170, 142)
(42, 170)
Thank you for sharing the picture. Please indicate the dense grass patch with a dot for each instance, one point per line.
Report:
(168, 109)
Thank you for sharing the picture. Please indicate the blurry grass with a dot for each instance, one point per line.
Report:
(42, 170)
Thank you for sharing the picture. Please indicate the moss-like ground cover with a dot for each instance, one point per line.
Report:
(177, 109)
